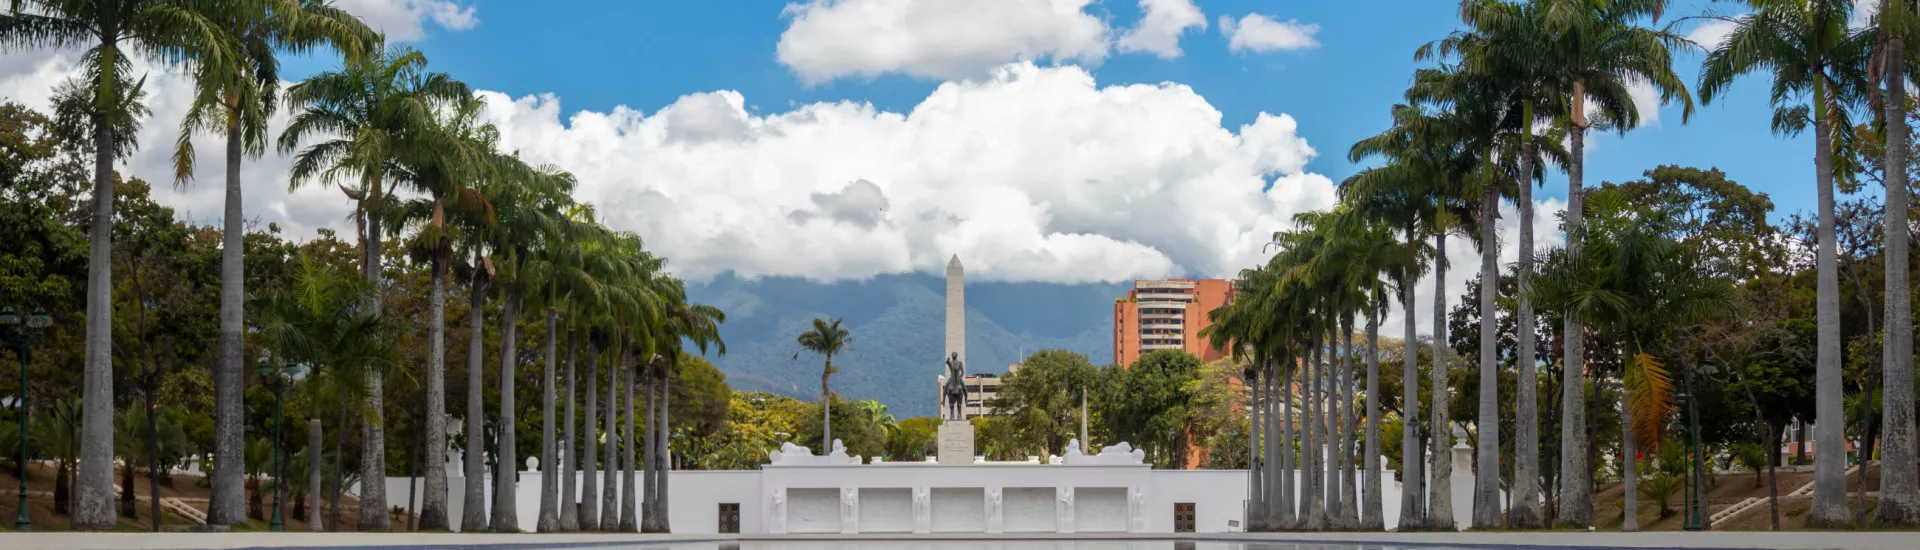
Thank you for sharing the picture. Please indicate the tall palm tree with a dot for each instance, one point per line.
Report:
(1593, 50)
(237, 101)
(479, 274)
(362, 121)
(682, 322)
(111, 31)
(1365, 252)
(1900, 487)
(530, 214)
(1819, 68)
(826, 338)
(457, 153)
(1420, 189)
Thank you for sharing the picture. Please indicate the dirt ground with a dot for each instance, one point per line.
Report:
(40, 479)
(1727, 491)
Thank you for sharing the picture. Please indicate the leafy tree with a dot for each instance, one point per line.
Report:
(1042, 397)
(111, 32)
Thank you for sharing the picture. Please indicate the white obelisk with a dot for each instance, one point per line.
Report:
(956, 310)
(956, 436)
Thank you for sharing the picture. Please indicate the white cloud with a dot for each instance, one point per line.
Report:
(405, 20)
(30, 77)
(1033, 174)
(940, 39)
(1464, 264)
(1711, 33)
(1261, 34)
(1159, 30)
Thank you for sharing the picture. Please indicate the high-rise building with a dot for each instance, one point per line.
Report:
(1167, 314)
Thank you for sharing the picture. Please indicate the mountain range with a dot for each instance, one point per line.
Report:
(898, 326)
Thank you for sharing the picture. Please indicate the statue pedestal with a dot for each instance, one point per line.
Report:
(956, 443)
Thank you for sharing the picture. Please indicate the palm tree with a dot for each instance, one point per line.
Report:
(110, 32)
(1595, 49)
(1367, 251)
(529, 220)
(1815, 58)
(456, 151)
(680, 322)
(479, 275)
(321, 321)
(237, 101)
(1419, 190)
(826, 339)
(369, 116)
(1900, 487)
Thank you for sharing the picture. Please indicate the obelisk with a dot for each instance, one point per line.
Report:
(955, 443)
(956, 309)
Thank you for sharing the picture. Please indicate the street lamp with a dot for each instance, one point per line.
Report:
(275, 375)
(23, 335)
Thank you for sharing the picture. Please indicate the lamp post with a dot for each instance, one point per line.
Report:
(23, 339)
(275, 375)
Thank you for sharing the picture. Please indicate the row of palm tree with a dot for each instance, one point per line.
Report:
(1481, 127)
(411, 149)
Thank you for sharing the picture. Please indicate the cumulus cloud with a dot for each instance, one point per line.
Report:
(1261, 34)
(1032, 174)
(405, 20)
(29, 79)
(939, 39)
(1159, 30)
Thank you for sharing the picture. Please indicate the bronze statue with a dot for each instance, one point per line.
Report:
(955, 391)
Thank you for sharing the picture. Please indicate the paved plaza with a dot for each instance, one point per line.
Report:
(1237, 541)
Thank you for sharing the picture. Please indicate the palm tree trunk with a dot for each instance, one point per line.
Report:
(1630, 475)
(315, 453)
(649, 504)
(610, 466)
(1330, 418)
(1279, 468)
(1288, 494)
(1829, 483)
(1349, 487)
(590, 436)
(506, 507)
(663, 466)
(1372, 515)
(1526, 511)
(1440, 497)
(549, 518)
(1486, 481)
(1899, 484)
(373, 447)
(629, 518)
(433, 511)
(1255, 519)
(569, 495)
(93, 486)
(473, 517)
(1412, 480)
(826, 408)
(223, 507)
(1314, 502)
(1576, 482)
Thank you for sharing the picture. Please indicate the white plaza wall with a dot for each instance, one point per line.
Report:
(886, 498)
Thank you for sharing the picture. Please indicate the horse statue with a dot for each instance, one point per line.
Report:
(955, 392)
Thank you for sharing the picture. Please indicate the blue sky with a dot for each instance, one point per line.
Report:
(1056, 141)
(596, 55)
